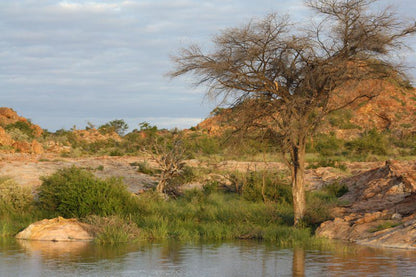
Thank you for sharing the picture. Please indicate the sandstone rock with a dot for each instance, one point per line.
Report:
(8, 116)
(37, 148)
(380, 198)
(37, 130)
(93, 135)
(5, 139)
(402, 236)
(396, 216)
(336, 229)
(56, 229)
(22, 146)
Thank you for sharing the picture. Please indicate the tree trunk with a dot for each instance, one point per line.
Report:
(161, 185)
(298, 186)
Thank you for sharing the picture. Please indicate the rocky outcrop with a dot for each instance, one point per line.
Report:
(56, 229)
(393, 108)
(94, 135)
(5, 139)
(380, 208)
(9, 116)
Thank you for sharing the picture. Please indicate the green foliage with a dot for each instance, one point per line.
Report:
(328, 145)
(202, 144)
(342, 119)
(405, 142)
(327, 162)
(264, 186)
(145, 168)
(113, 230)
(318, 206)
(14, 199)
(146, 126)
(65, 137)
(335, 189)
(76, 192)
(20, 130)
(370, 142)
(385, 225)
(196, 215)
(118, 125)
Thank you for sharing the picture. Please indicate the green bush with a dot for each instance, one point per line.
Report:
(325, 162)
(336, 189)
(328, 145)
(260, 186)
(370, 142)
(113, 230)
(74, 192)
(22, 128)
(342, 120)
(14, 199)
(145, 168)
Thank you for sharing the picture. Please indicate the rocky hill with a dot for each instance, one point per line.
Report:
(18, 134)
(393, 109)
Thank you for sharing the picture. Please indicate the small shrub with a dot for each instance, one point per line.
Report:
(384, 225)
(113, 230)
(336, 189)
(328, 145)
(371, 142)
(318, 207)
(76, 192)
(145, 168)
(323, 162)
(264, 186)
(14, 199)
(342, 119)
(20, 130)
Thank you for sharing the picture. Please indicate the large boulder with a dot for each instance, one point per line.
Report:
(57, 229)
(5, 138)
(381, 209)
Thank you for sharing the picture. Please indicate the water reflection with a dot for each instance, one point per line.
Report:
(242, 258)
(298, 264)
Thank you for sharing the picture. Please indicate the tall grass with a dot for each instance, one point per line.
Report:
(217, 217)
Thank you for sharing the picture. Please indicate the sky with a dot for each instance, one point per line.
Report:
(68, 63)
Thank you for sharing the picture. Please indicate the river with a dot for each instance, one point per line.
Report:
(240, 258)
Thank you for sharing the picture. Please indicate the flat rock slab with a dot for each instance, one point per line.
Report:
(56, 229)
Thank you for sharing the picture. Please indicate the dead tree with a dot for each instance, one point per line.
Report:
(170, 159)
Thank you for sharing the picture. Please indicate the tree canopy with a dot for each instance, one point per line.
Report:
(283, 78)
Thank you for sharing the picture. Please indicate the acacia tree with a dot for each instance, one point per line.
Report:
(282, 80)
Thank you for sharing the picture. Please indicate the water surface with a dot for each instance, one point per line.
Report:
(241, 258)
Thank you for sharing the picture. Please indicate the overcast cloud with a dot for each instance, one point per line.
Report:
(65, 63)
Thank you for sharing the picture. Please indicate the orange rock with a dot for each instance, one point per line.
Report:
(22, 146)
(38, 131)
(37, 148)
(56, 229)
(5, 139)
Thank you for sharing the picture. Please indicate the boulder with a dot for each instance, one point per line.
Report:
(22, 146)
(37, 148)
(5, 139)
(381, 210)
(57, 229)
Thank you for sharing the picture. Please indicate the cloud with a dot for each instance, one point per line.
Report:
(66, 62)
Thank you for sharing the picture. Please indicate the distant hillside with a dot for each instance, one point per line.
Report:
(18, 134)
(394, 109)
